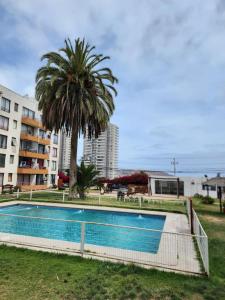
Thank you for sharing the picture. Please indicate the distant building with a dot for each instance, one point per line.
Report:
(182, 186)
(64, 152)
(103, 152)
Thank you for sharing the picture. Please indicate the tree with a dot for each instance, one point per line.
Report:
(136, 178)
(75, 95)
(86, 177)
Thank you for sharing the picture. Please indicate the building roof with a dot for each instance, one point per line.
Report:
(150, 173)
(219, 181)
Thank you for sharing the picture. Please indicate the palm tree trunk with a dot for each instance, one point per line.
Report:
(73, 163)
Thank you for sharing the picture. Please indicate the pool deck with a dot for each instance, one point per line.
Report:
(176, 249)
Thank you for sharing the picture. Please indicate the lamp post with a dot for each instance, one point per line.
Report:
(207, 186)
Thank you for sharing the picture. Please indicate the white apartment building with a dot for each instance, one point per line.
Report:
(28, 153)
(103, 152)
(64, 151)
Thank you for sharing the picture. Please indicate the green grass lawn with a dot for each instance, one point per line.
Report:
(26, 274)
(176, 206)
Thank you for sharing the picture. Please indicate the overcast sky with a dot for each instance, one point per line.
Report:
(169, 57)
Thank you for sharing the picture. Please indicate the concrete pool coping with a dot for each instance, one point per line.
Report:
(176, 251)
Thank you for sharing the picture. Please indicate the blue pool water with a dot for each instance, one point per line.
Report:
(124, 238)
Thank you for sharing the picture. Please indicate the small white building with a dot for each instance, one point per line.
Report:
(180, 186)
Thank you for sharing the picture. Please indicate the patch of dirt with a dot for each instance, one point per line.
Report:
(197, 297)
(215, 219)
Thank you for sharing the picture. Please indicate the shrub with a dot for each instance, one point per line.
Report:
(207, 200)
(16, 187)
(198, 196)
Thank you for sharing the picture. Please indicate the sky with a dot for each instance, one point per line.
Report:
(169, 57)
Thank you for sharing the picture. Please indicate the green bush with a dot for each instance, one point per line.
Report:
(207, 200)
(198, 196)
(16, 187)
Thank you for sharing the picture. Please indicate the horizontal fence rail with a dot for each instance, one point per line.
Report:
(168, 250)
(138, 202)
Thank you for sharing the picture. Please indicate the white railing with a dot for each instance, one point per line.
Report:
(202, 241)
(95, 199)
(200, 235)
(167, 250)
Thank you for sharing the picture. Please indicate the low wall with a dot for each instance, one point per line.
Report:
(25, 188)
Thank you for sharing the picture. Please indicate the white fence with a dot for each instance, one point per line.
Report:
(167, 250)
(95, 199)
(200, 235)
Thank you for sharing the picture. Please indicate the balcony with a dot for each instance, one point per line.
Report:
(34, 138)
(33, 154)
(32, 122)
(30, 170)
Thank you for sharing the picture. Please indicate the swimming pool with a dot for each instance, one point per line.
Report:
(39, 225)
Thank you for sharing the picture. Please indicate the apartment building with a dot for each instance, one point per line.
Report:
(64, 151)
(28, 153)
(103, 152)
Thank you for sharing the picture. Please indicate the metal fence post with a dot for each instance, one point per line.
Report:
(191, 215)
(30, 194)
(17, 194)
(140, 202)
(82, 240)
(207, 256)
(99, 200)
(63, 195)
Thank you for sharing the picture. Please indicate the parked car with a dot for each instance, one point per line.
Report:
(123, 189)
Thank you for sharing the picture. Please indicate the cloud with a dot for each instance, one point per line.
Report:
(168, 56)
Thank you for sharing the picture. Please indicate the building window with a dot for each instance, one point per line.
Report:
(169, 187)
(14, 124)
(42, 133)
(54, 152)
(4, 123)
(55, 139)
(206, 187)
(2, 160)
(28, 113)
(16, 106)
(27, 129)
(3, 141)
(23, 179)
(39, 179)
(41, 149)
(52, 179)
(1, 179)
(11, 159)
(53, 165)
(10, 177)
(5, 105)
(13, 143)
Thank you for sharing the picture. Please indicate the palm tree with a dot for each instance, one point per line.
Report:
(86, 177)
(75, 95)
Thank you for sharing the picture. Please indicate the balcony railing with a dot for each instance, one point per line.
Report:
(34, 150)
(33, 153)
(43, 139)
(28, 132)
(32, 121)
(41, 136)
(27, 169)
